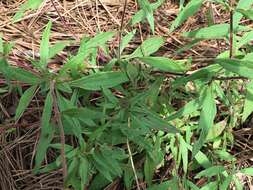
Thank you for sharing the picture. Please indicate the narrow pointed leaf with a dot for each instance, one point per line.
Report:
(100, 80)
(24, 102)
(207, 116)
(165, 64)
(44, 46)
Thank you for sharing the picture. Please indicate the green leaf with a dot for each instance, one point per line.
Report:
(218, 31)
(209, 172)
(165, 64)
(1, 45)
(216, 130)
(190, 9)
(204, 74)
(242, 4)
(167, 185)
(248, 104)
(83, 113)
(247, 13)
(84, 171)
(203, 160)
(149, 170)
(44, 46)
(207, 116)
(148, 47)
(246, 38)
(30, 4)
(148, 11)
(97, 41)
(242, 68)
(100, 80)
(224, 155)
(47, 132)
(24, 76)
(140, 15)
(24, 101)
(211, 185)
(247, 171)
(56, 48)
(189, 108)
(225, 184)
(153, 121)
(126, 39)
(184, 151)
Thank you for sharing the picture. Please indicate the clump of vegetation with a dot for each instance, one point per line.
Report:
(141, 120)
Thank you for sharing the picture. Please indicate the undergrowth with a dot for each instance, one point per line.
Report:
(123, 113)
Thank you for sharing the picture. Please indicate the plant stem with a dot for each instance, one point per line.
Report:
(62, 135)
(121, 28)
(231, 31)
(131, 159)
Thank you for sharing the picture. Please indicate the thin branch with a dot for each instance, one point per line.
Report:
(121, 28)
(231, 31)
(62, 135)
(66, 26)
(131, 159)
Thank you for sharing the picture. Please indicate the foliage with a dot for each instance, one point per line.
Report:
(135, 107)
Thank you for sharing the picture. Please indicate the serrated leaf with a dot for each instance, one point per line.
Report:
(207, 116)
(190, 9)
(100, 80)
(24, 101)
(209, 172)
(148, 47)
(44, 46)
(248, 104)
(165, 64)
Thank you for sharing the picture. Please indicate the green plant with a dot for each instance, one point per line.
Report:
(123, 115)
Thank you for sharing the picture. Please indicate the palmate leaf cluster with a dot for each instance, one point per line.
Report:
(127, 108)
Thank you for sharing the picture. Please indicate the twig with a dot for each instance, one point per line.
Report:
(62, 135)
(63, 20)
(121, 28)
(131, 159)
(231, 31)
